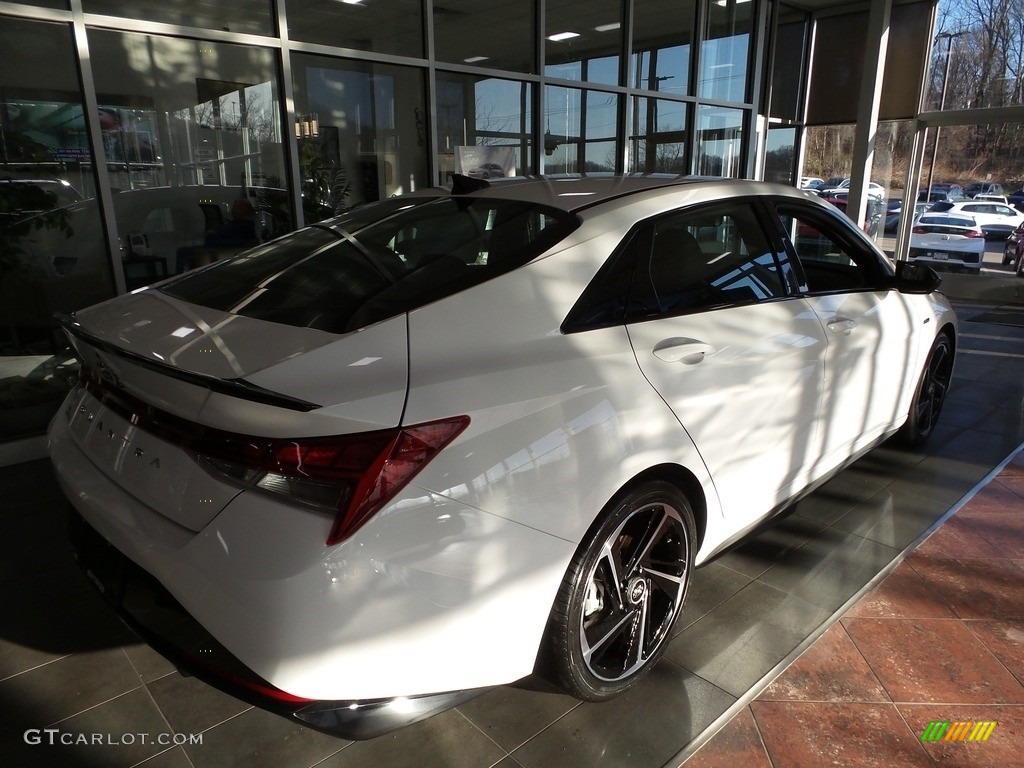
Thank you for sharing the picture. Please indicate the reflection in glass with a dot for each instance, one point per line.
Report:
(584, 40)
(193, 142)
(579, 130)
(780, 155)
(60, 5)
(498, 34)
(477, 111)
(662, 40)
(725, 52)
(657, 140)
(394, 27)
(249, 16)
(53, 255)
(362, 132)
(719, 149)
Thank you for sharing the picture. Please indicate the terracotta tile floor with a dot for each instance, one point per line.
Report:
(940, 638)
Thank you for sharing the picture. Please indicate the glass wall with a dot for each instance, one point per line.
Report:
(192, 138)
(201, 149)
(499, 34)
(725, 51)
(362, 132)
(584, 40)
(47, 208)
(580, 130)
(657, 140)
(394, 27)
(780, 155)
(484, 125)
(251, 16)
(719, 142)
(662, 40)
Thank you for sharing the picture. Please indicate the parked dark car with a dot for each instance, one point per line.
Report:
(873, 218)
(1016, 199)
(893, 209)
(983, 188)
(1014, 250)
(942, 192)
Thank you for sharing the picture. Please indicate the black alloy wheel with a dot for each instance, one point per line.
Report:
(624, 589)
(930, 394)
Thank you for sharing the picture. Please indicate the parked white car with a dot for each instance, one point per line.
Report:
(948, 241)
(875, 190)
(995, 219)
(362, 472)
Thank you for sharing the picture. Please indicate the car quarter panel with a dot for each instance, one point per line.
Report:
(559, 423)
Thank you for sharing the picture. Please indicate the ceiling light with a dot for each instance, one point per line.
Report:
(475, 59)
(607, 27)
(563, 36)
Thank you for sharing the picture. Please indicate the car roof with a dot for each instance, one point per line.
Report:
(575, 192)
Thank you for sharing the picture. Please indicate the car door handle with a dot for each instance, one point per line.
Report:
(841, 326)
(686, 351)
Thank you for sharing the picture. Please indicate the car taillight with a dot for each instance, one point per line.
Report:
(349, 476)
(973, 233)
(920, 230)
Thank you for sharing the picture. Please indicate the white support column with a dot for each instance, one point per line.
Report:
(870, 97)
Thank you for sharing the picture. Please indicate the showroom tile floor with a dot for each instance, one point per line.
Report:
(69, 671)
(939, 639)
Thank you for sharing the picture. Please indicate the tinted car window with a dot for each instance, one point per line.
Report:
(832, 258)
(411, 257)
(705, 258)
(950, 221)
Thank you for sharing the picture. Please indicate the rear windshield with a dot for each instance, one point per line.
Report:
(948, 221)
(411, 256)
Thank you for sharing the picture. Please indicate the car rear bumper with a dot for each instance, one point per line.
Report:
(324, 623)
(165, 625)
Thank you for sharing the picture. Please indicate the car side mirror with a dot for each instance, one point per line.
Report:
(915, 278)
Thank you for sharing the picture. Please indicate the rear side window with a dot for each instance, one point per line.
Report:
(410, 257)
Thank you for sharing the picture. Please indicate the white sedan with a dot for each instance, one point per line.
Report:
(367, 470)
(948, 241)
(995, 219)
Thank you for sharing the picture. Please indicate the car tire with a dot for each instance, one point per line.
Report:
(930, 394)
(1020, 266)
(624, 589)
(1007, 257)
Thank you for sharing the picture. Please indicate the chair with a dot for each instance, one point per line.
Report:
(677, 270)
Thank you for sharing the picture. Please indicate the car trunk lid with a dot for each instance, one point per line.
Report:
(161, 375)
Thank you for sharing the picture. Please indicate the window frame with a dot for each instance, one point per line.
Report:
(621, 265)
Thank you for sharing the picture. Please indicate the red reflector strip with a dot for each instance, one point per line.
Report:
(253, 685)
